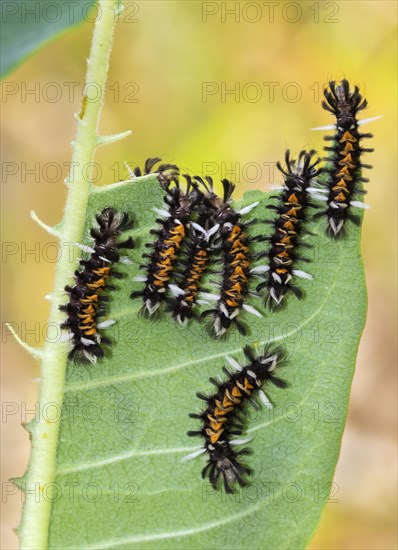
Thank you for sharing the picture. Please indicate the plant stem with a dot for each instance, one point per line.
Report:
(34, 528)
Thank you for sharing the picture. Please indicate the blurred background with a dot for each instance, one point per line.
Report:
(222, 87)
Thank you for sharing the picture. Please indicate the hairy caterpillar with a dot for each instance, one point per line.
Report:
(224, 414)
(86, 301)
(288, 227)
(344, 162)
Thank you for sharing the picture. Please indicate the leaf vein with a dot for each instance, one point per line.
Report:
(79, 386)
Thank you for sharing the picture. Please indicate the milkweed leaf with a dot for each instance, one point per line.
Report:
(125, 419)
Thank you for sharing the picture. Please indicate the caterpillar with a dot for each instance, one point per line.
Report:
(166, 172)
(167, 246)
(344, 164)
(224, 415)
(86, 301)
(292, 209)
(237, 258)
(194, 265)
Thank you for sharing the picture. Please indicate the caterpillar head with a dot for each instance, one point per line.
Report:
(343, 103)
(223, 462)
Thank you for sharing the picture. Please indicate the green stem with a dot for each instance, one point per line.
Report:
(34, 527)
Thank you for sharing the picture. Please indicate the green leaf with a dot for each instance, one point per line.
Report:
(119, 480)
(26, 26)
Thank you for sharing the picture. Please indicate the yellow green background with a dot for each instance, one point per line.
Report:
(169, 52)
